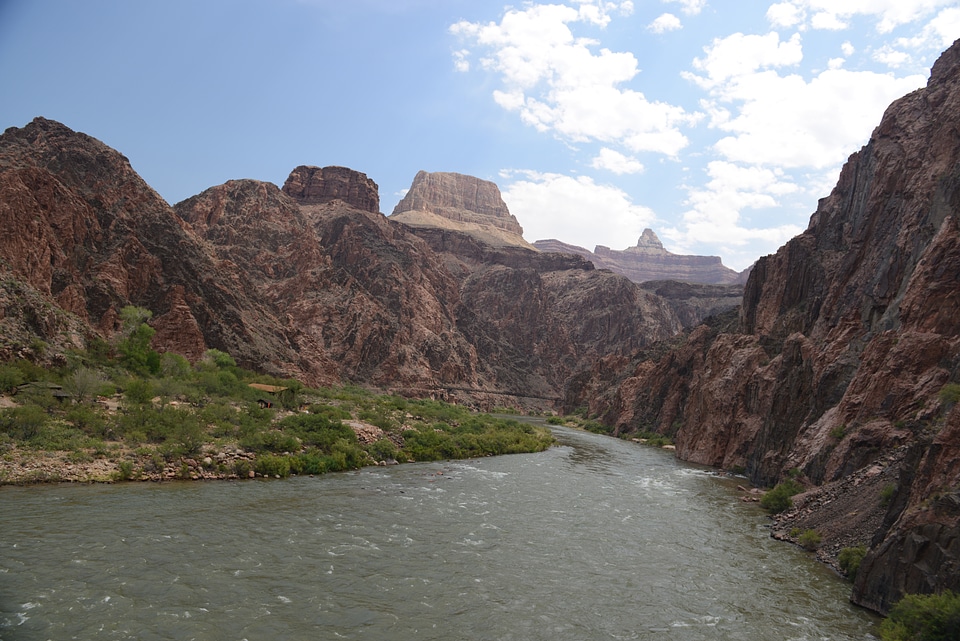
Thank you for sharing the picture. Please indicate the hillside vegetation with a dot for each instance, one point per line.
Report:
(123, 411)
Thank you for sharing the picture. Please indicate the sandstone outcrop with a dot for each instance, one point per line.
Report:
(446, 200)
(836, 366)
(649, 261)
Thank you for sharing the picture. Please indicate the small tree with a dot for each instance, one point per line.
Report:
(84, 383)
(780, 498)
(924, 617)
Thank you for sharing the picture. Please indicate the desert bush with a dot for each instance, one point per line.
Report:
(950, 393)
(886, 494)
(10, 378)
(780, 498)
(810, 540)
(850, 559)
(23, 423)
(270, 441)
(272, 465)
(555, 420)
(316, 430)
(927, 617)
(87, 419)
(382, 450)
(138, 391)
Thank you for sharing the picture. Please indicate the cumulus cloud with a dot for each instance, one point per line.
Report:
(690, 7)
(786, 120)
(616, 162)
(559, 83)
(836, 14)
(576, 210)
(664, 23)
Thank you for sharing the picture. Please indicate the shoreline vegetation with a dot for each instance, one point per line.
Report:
(123, 412)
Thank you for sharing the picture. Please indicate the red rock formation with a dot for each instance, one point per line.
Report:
(315, 185)
(845, 338)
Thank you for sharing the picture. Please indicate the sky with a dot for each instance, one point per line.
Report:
(716, 123)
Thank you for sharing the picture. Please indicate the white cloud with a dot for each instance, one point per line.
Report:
(714, 217)
(666, 22)
(847, 48)
(690, 7)
(836, 14)
(785, 120)
(828, 21)
(785, 14)
(739, 55)
(891, 57)
(616, 162)
(575, 210)
(559, 83)
(460, 61)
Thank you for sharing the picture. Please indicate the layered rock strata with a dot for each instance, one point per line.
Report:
(462, 203)
(650, 261)
(842, 362)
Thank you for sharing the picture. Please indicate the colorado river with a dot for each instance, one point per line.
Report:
(595, 539)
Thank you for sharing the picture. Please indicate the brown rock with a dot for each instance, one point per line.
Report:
(316, 185)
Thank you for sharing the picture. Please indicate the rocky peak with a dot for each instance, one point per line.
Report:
(316, 185)
(459, 198)
(649, 241)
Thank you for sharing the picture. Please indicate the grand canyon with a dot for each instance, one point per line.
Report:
(826, 361)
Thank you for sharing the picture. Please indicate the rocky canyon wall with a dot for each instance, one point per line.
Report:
(837, 365)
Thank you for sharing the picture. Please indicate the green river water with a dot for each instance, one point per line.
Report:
(595, 539)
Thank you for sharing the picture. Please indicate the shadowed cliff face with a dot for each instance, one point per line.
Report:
(845, 338)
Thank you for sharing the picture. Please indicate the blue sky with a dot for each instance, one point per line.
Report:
(718, 123)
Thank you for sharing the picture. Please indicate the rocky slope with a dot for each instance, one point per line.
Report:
(310, 280)
(841, 363)
(649, 261)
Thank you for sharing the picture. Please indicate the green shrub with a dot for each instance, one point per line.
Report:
(928, 617)
(23, 423)
(88, 419)
(316, 430)
(270, 441)
(125, 471)
(779, 498)
(849, 560)
(10, 378)
(950, 393)
(886, 494)
(382, 450)
(838, 432)
(555, 420)
(810, 540)
(138, 391)
(273, 465)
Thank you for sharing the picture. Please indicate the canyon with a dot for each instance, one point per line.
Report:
(840, 367)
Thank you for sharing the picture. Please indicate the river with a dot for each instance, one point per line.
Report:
(595, 539)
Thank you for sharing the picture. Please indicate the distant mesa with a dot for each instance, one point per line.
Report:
(462, 203)
(649, 261)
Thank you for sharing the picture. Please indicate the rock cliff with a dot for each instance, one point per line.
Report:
(648, 261)
(844, 359)
(310, 280)
(447, 200)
